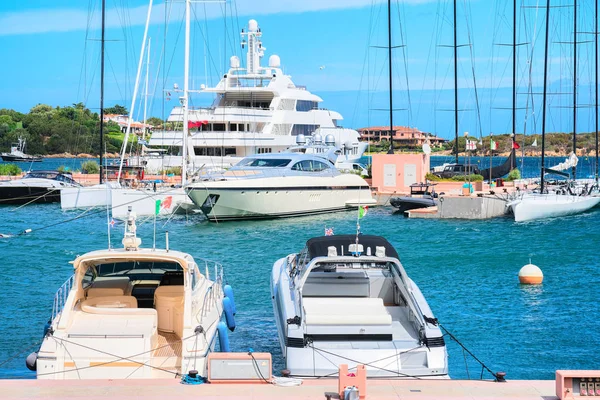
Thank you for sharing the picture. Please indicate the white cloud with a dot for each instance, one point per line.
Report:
(69, 19)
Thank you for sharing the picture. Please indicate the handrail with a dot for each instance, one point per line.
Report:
(60, 298)
(214, 292)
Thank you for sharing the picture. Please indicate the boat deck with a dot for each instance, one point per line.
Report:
(169, 345)
(311, 389)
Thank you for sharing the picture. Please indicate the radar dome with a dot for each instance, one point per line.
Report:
(252, 25)
(234, 61)
(300, 139)
(274, 61)
(330, 140)
(317, 138)
(348, 144)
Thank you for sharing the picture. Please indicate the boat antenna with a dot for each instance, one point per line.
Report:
(544, 95)
(102, 42)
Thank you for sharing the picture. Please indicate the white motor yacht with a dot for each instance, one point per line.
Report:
(533, 206)
(256, 109)
(36, 187)
(132, 313)
(346, 299)
(279, 185)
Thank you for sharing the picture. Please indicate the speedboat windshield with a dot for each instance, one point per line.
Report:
(264, 162)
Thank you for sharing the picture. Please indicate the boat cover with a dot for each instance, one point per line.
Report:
(345, 311)
(500, 170)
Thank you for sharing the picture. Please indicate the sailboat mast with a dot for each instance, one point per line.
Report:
(545, 93)
(146, 92)
(184, 99)
(455, 89)
(391, 150)
(514, 85)
(102, 41)
(574, 84)
(596, 84)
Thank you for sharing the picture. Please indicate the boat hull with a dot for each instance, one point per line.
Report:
(539, 206)
(220, 203)
(88, 196)
(411, 203)
(143, 202)
(28, 194)
(12, 158)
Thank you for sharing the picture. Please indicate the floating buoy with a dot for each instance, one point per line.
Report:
(228, 310)
(31, 361)
(228, 290)
(223, 337)
(531, 275)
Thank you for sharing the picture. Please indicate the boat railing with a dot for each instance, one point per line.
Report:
(61, 296)
(215, 292)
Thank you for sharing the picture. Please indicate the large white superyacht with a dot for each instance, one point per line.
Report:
(256, 110)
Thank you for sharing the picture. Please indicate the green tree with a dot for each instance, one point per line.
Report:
(155, 122)
(116, 109)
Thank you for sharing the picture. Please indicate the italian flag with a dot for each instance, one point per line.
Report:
(493, 145)
(166, 203)
(362, 211)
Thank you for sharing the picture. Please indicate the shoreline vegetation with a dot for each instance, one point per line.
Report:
(72, 132)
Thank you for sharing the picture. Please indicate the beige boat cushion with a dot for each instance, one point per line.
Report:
(170, 293)
(109, 286)
(114, 305)
(345, 311)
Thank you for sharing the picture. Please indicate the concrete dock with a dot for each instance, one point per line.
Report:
(310, 389)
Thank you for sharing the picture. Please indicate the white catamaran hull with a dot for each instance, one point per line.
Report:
(143, 202)
(539, 206)
(87, 196)
(278, 197)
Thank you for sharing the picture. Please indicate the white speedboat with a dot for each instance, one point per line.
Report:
(36, 187)
(532, 206)
(256, 109)
(132, 313)
(346, 299)
(279, 185)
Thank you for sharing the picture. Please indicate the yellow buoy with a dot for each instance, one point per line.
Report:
(531, 275)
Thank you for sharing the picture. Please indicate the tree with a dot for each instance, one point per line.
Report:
(155, 122)
(41, 109)
(116, 109)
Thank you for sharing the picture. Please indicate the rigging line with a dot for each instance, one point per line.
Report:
(473, 71)
(15, 355)
(405, 57)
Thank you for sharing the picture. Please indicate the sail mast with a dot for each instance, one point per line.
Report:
(184, 99)
(391, 150)
(574, 169)
(455, 89)
(146, 93)
(102, 41)
(596, 84)
(545, 93)
(514, 85)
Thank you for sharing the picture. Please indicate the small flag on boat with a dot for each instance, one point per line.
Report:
(112, 222)
(471, 145)
(163, 204)
(516, 145)
(362, 211)
(493, 145)
(328, 231)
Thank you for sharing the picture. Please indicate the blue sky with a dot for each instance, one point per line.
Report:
(50, 55)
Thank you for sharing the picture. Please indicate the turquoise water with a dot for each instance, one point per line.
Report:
(466, 269)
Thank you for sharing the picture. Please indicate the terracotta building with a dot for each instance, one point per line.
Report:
(403, 136)
(122, 120)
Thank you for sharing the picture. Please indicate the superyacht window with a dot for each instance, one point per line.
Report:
(305, 130)
(264, 162)
(306, 105)
(310, 166)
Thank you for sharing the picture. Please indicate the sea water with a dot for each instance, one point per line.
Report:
(467, 271)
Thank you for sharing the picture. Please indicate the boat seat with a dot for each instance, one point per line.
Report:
(114, 305)
(345, 311)
(109, 286)
(337, 284)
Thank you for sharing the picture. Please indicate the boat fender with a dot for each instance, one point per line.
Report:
(228, 310)
(31, 361)
(47, 328)
(223, 337)
(228, 290)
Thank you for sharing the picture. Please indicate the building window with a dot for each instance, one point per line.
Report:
(215, 151)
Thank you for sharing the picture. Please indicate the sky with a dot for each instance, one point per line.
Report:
(51, 51)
